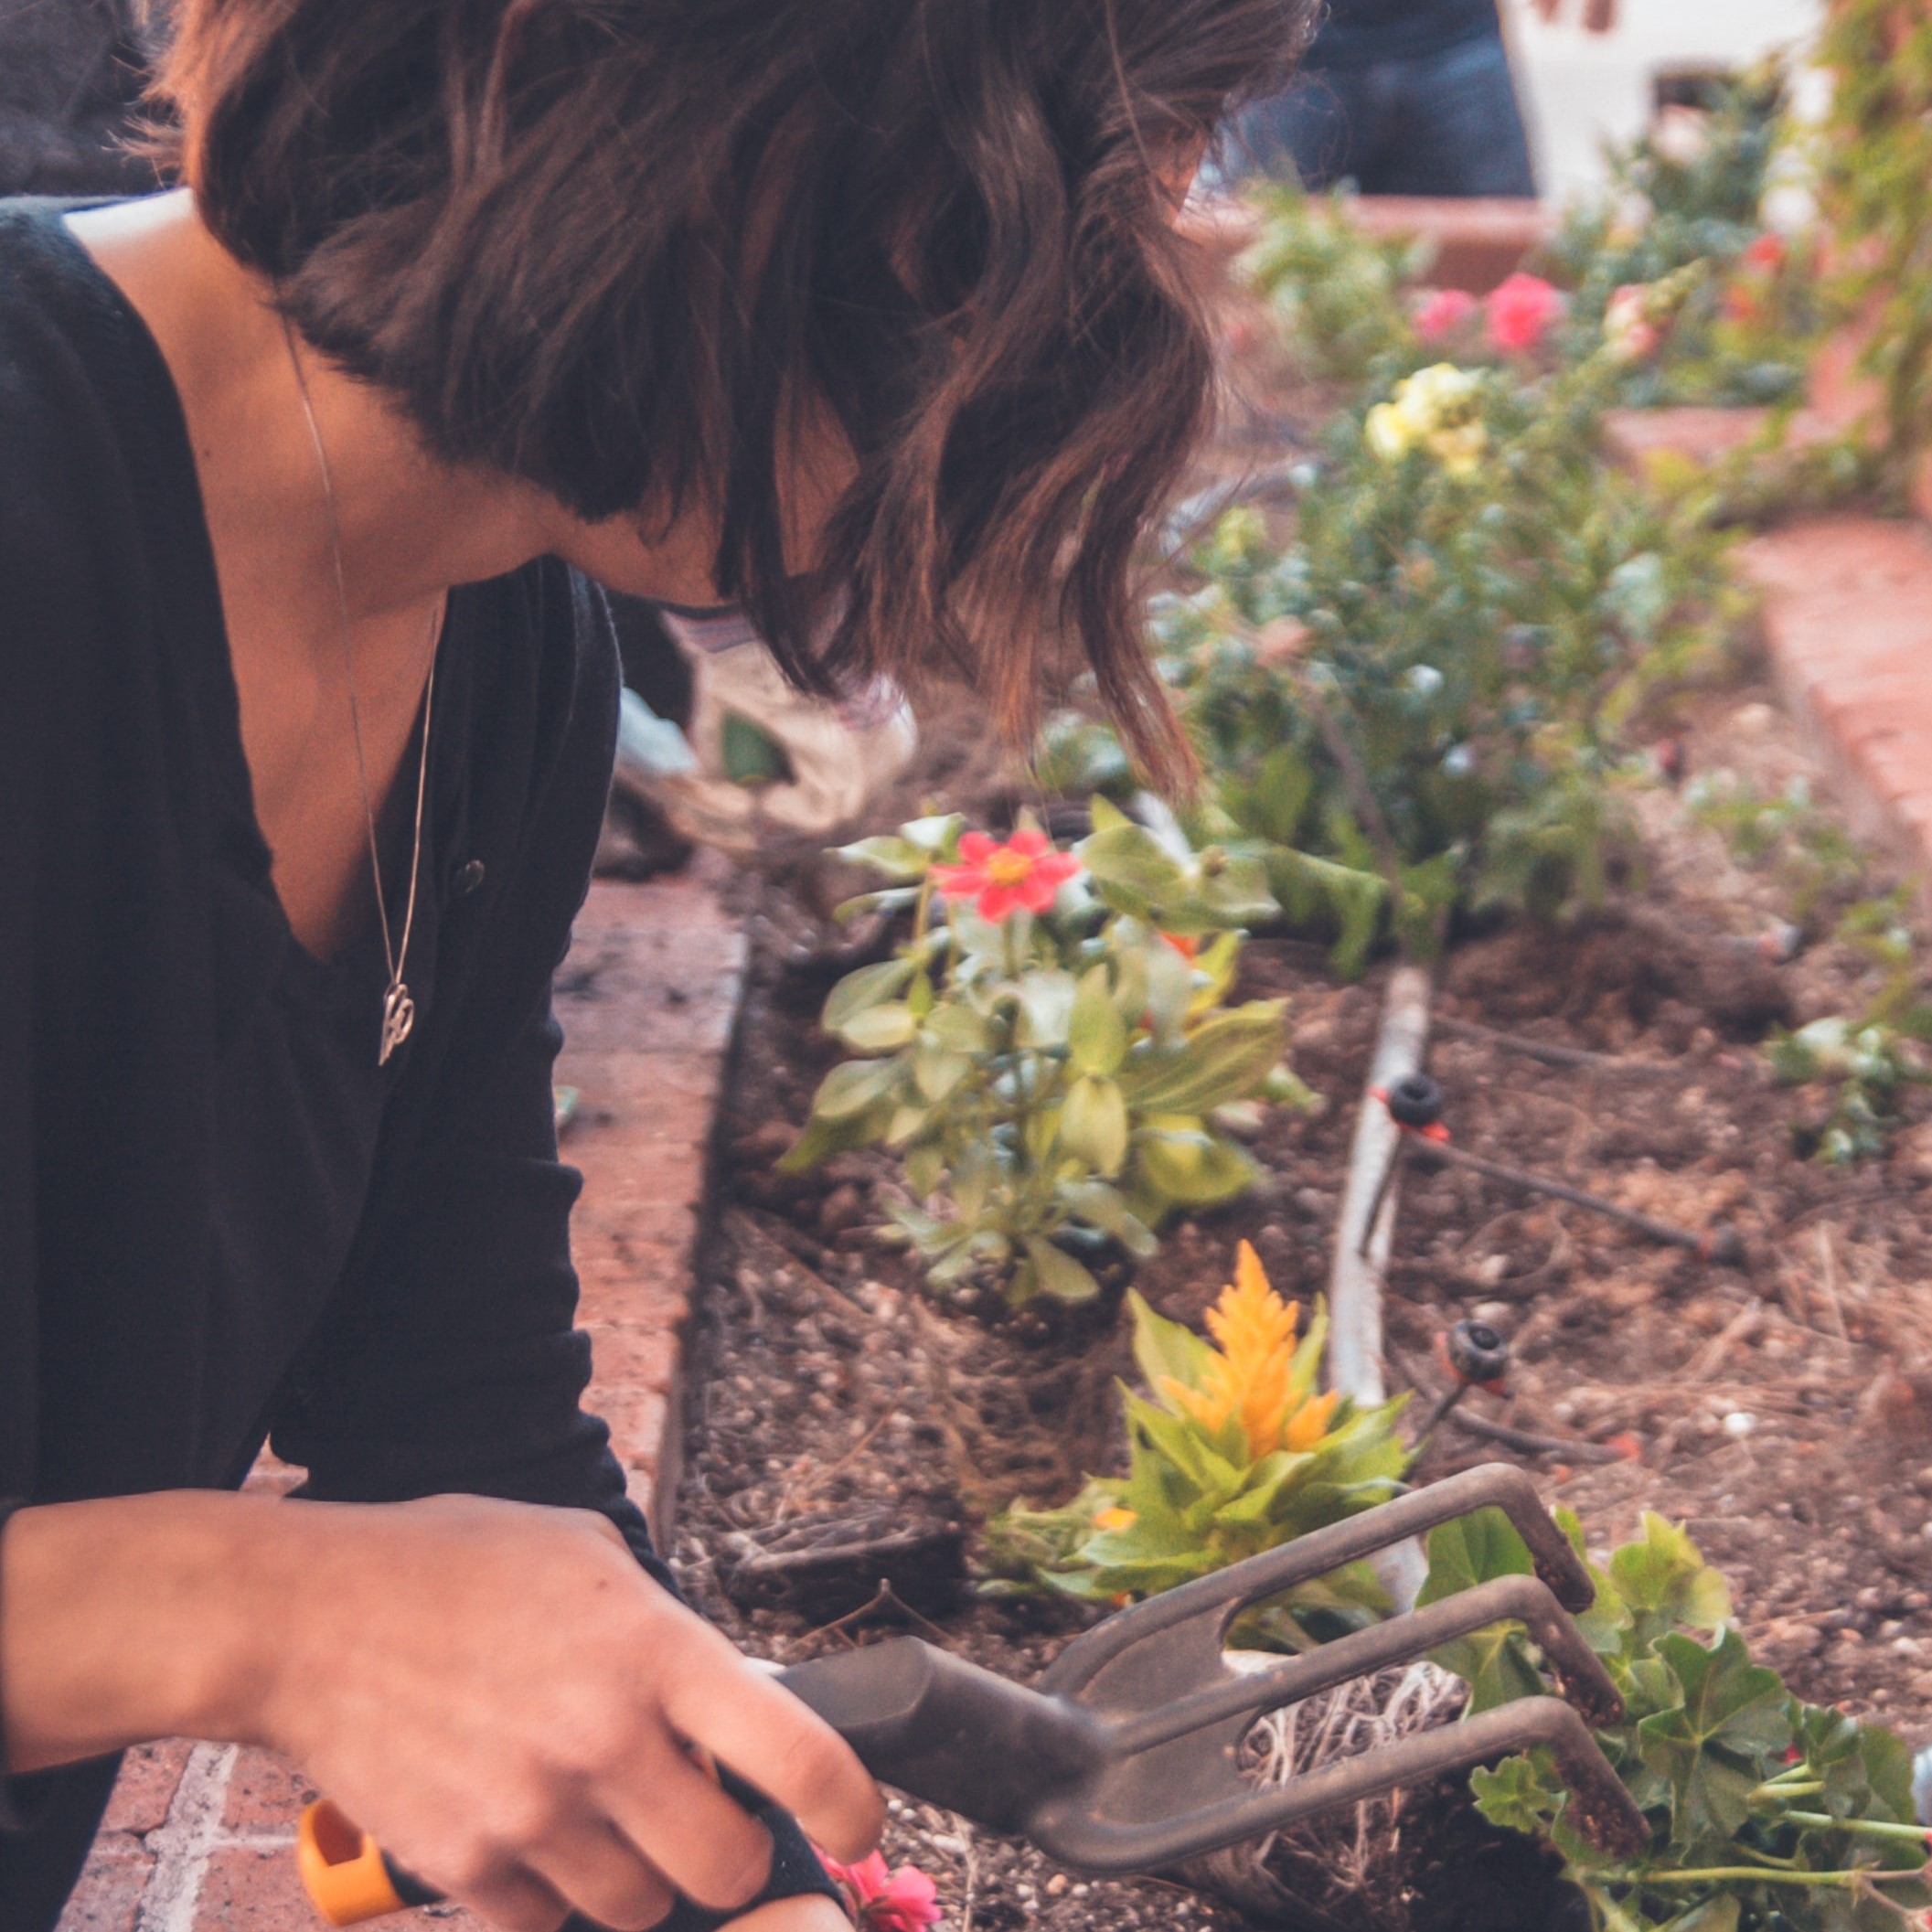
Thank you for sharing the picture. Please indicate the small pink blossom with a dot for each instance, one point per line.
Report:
(904, 1900)
(1025, 873)
(1768, 252)
(1630, 335)
(1521, 312)
(1443, 309)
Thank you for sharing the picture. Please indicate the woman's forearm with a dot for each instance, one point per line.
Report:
(135, 1618)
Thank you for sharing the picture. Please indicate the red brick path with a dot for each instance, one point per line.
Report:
(1847, 616)
(200, 1838)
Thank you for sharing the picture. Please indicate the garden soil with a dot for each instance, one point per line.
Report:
(843, 1426)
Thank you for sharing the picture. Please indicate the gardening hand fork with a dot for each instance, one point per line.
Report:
(1125, 1757)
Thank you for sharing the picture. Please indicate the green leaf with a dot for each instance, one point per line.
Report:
(881, 1029)
(1046, 1007)
(1495, 1662)
(1888, 1770)
(958, 1029)
(1106, 1208)
(869, 986)
(1166, 1351)
(936, 1070)
(822, 1138)
(1057, 1274)
(935, 833)
(1227, 1057)
(1663, 1580)
(853, 1087)
(1130, 868)
(1516, 1796)
(1093, 1124)
(1096, 1033)
(898, 860)
(1716, 1746)
(1191, 1170)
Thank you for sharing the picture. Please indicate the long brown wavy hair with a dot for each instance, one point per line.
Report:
(617, 247)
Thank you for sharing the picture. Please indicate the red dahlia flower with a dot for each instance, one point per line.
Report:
(1023, 873)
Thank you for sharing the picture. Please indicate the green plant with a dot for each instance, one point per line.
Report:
(1768, 1814)
(1416, 708)
(1336, 292)
(1232, 1452)
(1871, 1057)
(1875, 184)
(1870, 1065)
(1050, 1052)
(1811, 859)
(1691, 202)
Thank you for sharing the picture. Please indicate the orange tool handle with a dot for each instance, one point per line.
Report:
(344, 1873)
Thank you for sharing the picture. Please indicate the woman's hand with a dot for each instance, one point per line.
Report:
(496, 1692)
(510, 1705)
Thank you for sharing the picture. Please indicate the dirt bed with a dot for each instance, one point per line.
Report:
(1782, 1407)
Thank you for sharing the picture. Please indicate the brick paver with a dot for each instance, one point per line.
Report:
(1848, 623)
(200, 1838)
(1847, 611)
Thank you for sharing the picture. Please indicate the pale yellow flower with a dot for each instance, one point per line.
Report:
(1438, 409)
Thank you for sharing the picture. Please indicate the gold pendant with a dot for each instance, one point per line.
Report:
(399, 1015)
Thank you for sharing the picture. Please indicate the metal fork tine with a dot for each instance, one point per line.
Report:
(1523, 1600)
(1600, 1807)
(1493, 1486)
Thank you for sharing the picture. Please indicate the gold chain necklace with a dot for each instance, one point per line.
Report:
(399, 1011)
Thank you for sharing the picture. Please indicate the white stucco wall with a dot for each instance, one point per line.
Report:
(1580, 89)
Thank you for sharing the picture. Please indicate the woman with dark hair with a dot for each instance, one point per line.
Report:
(865, 316)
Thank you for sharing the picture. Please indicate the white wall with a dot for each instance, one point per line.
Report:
(1582, 88)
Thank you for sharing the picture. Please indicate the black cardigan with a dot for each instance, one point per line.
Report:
(136, 925)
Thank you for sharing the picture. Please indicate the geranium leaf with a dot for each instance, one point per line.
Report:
(1713, 1746)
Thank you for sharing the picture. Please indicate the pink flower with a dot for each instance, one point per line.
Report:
(1443, 309)
(1520, 312)
(1768, 252)
(904, 1900)
(1024, 872)
(1628, 333)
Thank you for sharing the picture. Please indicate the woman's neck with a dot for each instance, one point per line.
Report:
(410, 527)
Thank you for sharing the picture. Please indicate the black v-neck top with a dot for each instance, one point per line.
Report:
(220, 1222)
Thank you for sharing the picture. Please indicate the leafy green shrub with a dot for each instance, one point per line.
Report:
(1875, 150)
(1337, 293)
(1768, 1815)
(1050, 1052)
(1741, 332)
(1416, 706)
(1232, 1452)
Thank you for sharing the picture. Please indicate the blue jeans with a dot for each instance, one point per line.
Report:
(1443, 123)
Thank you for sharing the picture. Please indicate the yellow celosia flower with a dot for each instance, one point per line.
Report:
(1115, 1519)
(1249, 1378)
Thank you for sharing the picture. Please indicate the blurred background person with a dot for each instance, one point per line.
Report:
(71, 75)
(1400, 97)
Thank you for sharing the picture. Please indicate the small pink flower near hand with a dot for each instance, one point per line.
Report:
(1023, 873)
(904, 1900)
(1443, 309)
(1521, 312)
